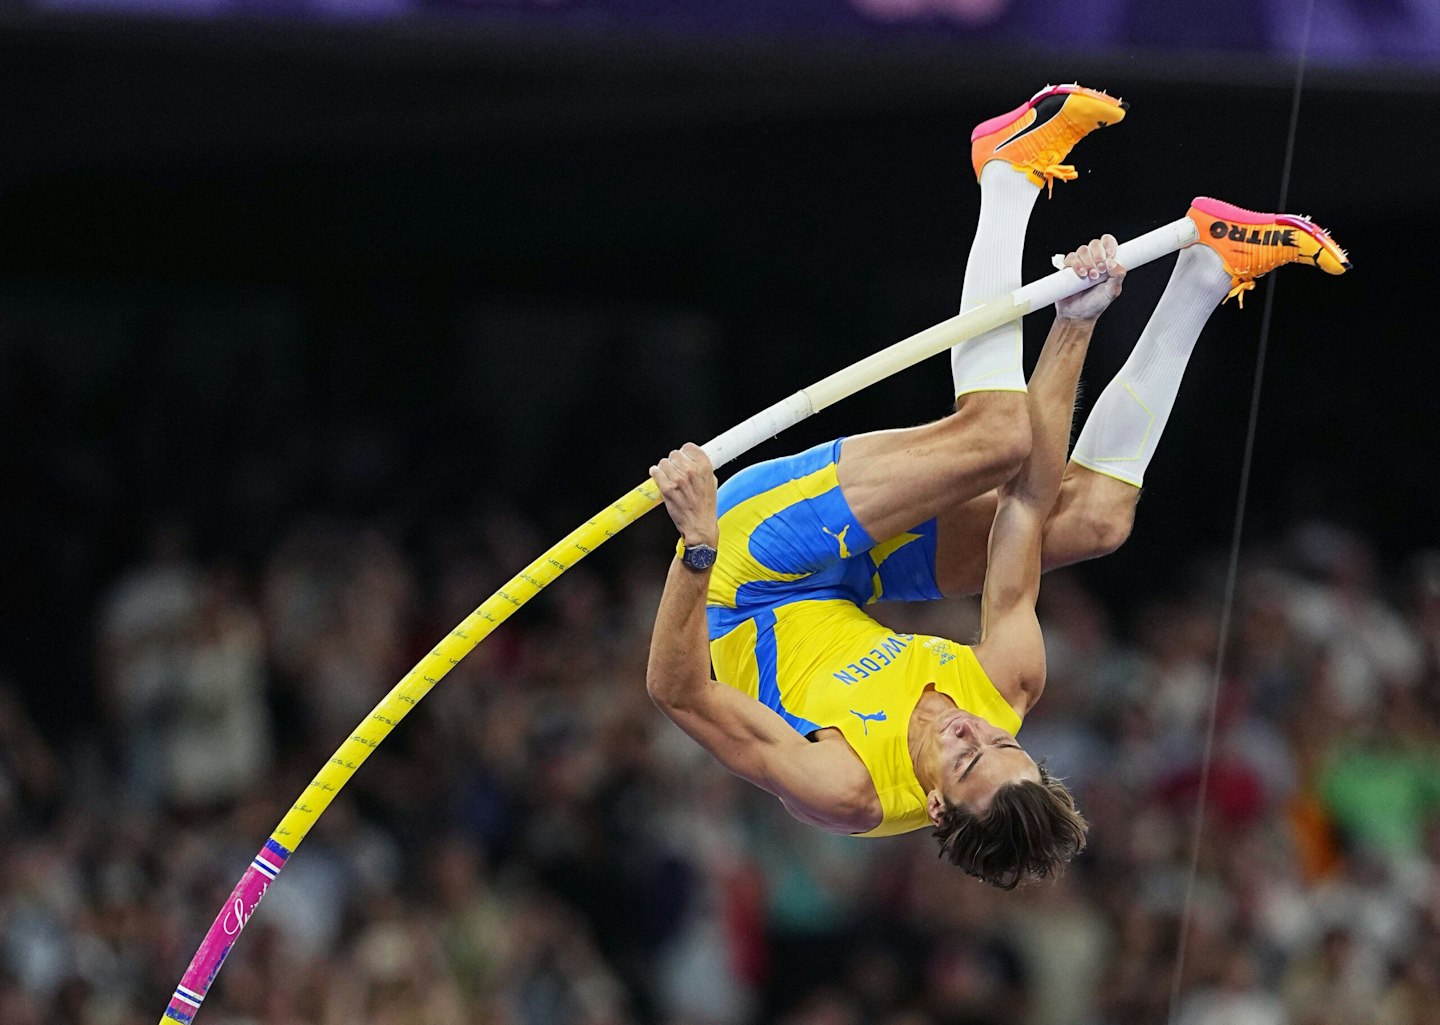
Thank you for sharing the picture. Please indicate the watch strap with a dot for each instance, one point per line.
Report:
(706, 555)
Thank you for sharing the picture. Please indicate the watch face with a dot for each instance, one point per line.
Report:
(700, 557)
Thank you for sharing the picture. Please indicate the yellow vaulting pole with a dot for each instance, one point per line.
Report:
(373, 730)
(366, 737)
(458, 643)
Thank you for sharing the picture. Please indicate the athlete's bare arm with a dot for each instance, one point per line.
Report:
(822, 784)
(1011, 650)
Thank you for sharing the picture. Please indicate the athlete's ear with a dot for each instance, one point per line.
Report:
(935, 806)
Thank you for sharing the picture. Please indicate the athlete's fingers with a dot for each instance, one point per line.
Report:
(684, 462)
(695, 464)
(664, 478)
(1103, 260)
(1085, 263)
(697, 453)
(687, 485)
(683, 482)
(682, 472)
(703, 473)
(669, 472)
(1112, 263)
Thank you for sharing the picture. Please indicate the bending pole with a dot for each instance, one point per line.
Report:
(406, 694)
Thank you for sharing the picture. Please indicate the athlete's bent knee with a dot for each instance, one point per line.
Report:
(997, 424)
(1108, 527)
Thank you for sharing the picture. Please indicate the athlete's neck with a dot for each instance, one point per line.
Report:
(920, 737)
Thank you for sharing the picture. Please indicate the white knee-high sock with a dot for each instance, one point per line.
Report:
(1123, 429)
(992, 361)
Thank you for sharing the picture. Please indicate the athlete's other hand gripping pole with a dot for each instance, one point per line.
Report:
(245, 897)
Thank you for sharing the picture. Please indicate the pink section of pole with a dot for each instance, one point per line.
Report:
(224, 931)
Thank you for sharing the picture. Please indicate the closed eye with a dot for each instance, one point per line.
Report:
(978, 756)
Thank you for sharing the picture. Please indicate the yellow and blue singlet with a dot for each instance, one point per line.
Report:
(786, 625)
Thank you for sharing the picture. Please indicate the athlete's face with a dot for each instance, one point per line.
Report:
(976, 759)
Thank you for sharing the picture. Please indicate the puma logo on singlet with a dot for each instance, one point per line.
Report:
(868, 719)
(840, 540)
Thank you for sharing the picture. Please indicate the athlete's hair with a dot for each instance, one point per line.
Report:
(1029, 832)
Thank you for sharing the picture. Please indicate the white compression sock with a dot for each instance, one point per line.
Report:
(992, 361)
(1123, 429)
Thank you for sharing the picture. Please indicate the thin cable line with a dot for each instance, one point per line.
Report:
(1233, 569)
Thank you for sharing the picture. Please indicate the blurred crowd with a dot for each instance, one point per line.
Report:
(537, 845)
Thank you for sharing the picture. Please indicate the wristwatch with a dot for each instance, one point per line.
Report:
(696, 557)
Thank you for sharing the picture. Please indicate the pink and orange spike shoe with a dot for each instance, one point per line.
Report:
(1253, 244)
(1038, 135)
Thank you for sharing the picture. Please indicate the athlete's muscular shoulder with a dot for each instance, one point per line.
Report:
(851, 803)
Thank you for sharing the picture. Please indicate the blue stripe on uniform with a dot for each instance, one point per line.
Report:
(767, 665)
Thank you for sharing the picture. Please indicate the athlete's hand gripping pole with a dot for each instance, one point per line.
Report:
(933, 340)
(580, 542)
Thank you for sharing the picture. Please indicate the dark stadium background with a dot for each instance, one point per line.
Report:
(424, 291)
(331, 207)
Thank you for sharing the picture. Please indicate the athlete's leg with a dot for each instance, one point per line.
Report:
(1096, 509)
(894, 480)
(1093, 517)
